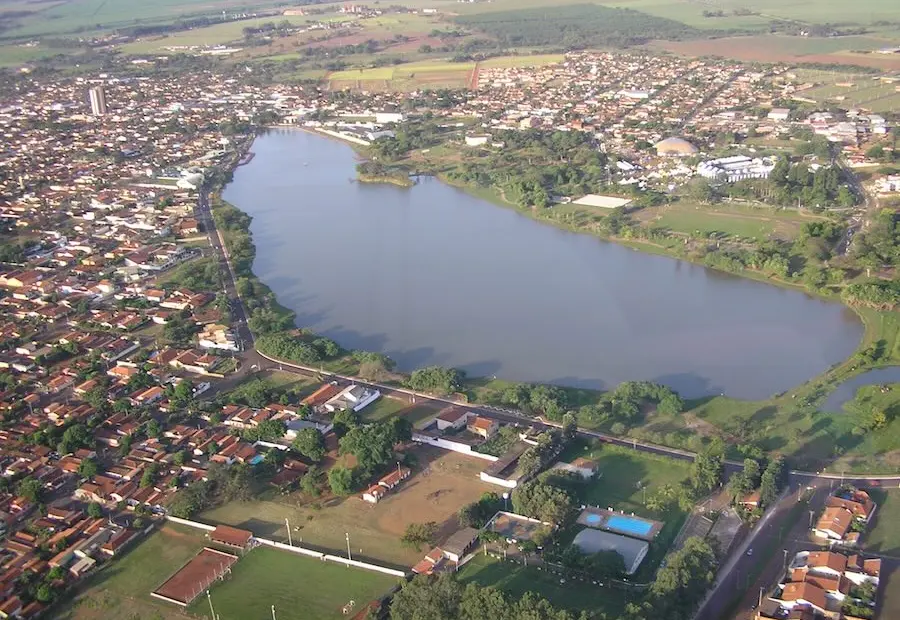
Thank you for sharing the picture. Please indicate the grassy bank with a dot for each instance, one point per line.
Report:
(390, 180)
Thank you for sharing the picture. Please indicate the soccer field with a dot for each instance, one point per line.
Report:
(300, 588)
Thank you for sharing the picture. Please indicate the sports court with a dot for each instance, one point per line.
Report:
(515, 528)
(195, 577)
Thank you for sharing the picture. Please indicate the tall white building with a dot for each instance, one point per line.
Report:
(97, 96)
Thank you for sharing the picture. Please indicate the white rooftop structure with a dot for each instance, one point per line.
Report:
(736, 168)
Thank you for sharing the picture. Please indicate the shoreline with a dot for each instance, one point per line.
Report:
(815, 390)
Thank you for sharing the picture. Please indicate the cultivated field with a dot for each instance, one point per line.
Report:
(122, 589)
(441, 483)
(300, 588)
(410, 76)
(95, 15)
(782, 48)
(217, 34)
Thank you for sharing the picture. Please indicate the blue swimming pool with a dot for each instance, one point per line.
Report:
(629, 525)
(593, 519)
(256, 460)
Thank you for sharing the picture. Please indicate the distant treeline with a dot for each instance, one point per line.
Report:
(578, 26)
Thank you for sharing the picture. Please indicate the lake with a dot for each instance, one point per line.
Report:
(846, 391)
(433, 275)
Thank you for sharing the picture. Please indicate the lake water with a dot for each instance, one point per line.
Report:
(846, 391)
(432, 275)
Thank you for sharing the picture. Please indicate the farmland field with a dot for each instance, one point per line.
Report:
(780, 48)
(211, 35)
(74, 15)
(442, 482)
(300, 588)
(537, 60)
(863, 91)
(122, 589)
(410, 76)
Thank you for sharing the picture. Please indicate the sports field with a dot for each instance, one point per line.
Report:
(441, 483)
(859, 91)
(300, 588)
(122, 589)
(733, 220)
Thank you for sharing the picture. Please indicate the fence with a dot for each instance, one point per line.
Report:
(294, 549)
(189, 523)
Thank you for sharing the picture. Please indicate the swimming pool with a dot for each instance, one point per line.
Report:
(593, 519)
(256, 460)
(629, 525)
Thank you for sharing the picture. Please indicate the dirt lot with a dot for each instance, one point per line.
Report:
(441, 483)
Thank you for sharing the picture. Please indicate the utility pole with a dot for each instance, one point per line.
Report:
(347, 535)
(785, 558)
(287, 524)
(211, 610)
(811, 513)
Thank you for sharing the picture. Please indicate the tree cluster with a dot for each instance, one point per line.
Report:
(436, 379)
(478, 512)
(579, 26)
(444, 598)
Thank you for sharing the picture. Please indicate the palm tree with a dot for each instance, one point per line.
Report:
(488, 536)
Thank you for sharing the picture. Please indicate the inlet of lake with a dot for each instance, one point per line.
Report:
(432, 275)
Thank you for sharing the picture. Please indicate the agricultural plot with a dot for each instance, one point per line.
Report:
(300, 588)
(411, 76)
(441, 483)
(781, 48)
(536, 60)
(218, 34)
(98, 15)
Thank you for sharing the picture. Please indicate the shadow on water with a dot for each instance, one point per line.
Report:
(690, 385)
(579, 383)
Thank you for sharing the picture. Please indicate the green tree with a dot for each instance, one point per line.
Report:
(708, 467)
(95, 510)
(419, 534)
(87, 468)
(341, 480)
(30, 489)
(310, 443)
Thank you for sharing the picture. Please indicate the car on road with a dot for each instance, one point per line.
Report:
(750, 551)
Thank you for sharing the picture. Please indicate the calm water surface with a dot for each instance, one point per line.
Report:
(432, 275)
(846, 391)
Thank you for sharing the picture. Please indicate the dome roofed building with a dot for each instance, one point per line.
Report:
(678, 147)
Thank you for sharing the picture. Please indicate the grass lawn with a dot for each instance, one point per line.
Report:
(626, 475)
(122, 589)
(884, 535)
(300, 588)
(383, 408)
(515, 580)
(729, 219)
(625, 478)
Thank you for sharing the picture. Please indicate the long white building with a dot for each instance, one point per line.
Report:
(736, 168)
